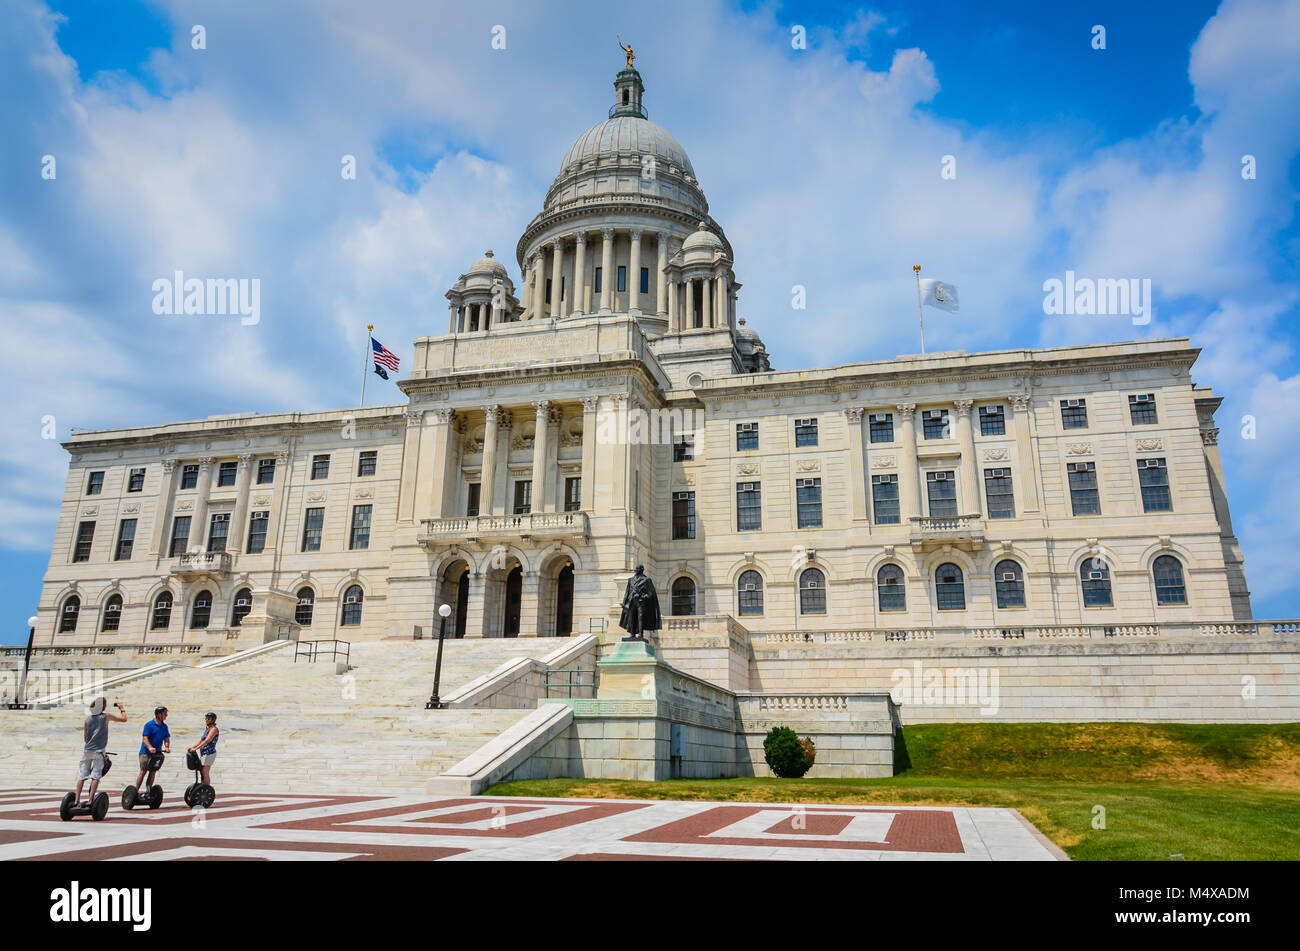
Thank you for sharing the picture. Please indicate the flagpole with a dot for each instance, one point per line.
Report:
(365, 363)
(919, 312)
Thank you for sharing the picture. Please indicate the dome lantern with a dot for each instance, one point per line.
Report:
(628, 90)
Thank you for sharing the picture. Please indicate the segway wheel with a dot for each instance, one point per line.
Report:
(129, 796)
(65, 807)
(189, 794)
(100, 809)
(205, 796)
(155, 797)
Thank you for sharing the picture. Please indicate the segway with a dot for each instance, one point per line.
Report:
(97, 809)
(152, 796)
(198, 793)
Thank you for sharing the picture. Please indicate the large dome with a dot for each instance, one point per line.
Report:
(622, 135)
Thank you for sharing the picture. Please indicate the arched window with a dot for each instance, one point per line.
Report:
(112, 613)
(1009, 580)
(306, 605)
(162, 611)
(812, 592)
(891, 593)
(1094, 574)
(202, 611)
(950, 588)
(68, 616)
(243, 604)
(352, 599)
(683, 596)
(750, 589)
(1170, 587)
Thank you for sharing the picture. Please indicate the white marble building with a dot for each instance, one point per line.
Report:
(616, 411)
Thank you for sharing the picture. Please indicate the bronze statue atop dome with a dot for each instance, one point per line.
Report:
(631, 56)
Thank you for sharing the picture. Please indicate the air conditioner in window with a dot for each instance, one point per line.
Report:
(1074, 402)
(1079, 467)
(941, 477)
(749, 587)
(1144, 398)
(243, 603)
(1008, 576)
(304, 601)
(1152, 463)
(1096, 575)
(352, 599)
(880, 417)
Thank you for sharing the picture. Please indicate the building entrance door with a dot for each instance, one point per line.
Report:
(564, 602)
(514, 595)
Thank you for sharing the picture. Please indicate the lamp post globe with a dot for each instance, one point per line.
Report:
(444, 610)
(33, 621)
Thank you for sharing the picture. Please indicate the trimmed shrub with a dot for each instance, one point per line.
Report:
(788, 756)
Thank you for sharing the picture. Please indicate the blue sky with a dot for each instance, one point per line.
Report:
(821, 163)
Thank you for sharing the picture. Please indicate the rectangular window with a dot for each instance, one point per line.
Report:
(180, 536)
(257, 523)
(95, 483)
(1074, 414)
(360, 537)
(523, 496)
(135, 483)
(189, 477)
(645, 280)
(882, 427)
(265, 471)
(548, 290)
(1153, 477)
(683, 515)
(934, 424)
(226, 473)
(942, 489)
(622, 278)
(312, 525)
(596, 283)
(562, 287)
(808, 499)
(993, 421)
(749, 506)
(320, 467)
(219, 531)
(85, 537)
(1142, 409)
(471, 505)
(684, 449)
(573, 494)
(997, 489)
(805, 432)
(746, 436)
(1084, 499)
(367, 462)
(884, 499)
(125, 539)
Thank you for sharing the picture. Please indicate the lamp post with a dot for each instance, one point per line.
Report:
(19, 701)
(434, 703)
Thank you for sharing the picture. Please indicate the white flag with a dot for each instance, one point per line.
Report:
(938, 294)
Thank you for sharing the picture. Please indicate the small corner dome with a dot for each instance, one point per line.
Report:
(702, 238)
(746, 332)
(487, 265)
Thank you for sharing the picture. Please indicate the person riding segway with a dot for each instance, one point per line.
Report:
(200, 758)
(94, 763)
(155, 733)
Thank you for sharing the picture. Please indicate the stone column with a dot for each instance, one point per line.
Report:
(451, 318)
(970, 480)
(724, 295)
(201, 504)
(557, 275)
(908, 489)
(620, 450)
(579, 274)
(238, 518)
(857, 469)
(441, 479)
(475, 611)
(410, 466)
(590, 404)
(706, 298)
(662, 305)
(607, 271)
(543, 414)
(526, 288)
(498, 301)
(688, 291)
(279, 489)
(163, 507)
(539, 284)
(671, 293)
(1027, 483)
(634, 273)
(489, 475)
(530, 587)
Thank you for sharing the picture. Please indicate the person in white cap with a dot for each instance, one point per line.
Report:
(95, 736)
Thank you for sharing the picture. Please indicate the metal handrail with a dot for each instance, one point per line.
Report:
(312, 649)
(577, 678)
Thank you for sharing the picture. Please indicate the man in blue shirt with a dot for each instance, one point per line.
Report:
(155, 734)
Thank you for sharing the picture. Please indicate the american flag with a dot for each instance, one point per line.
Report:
(384, 358)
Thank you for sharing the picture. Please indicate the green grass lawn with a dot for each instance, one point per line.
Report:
(1214, 791)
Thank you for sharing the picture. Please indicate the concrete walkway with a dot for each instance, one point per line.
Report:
(331, 828)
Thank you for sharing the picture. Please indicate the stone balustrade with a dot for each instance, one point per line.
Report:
(196, 564)
(959, 529)
(1280, 628)
(508, 527)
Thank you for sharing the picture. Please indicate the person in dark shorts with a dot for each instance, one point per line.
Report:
(95, 736)
(207, 746)
(154, 735)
